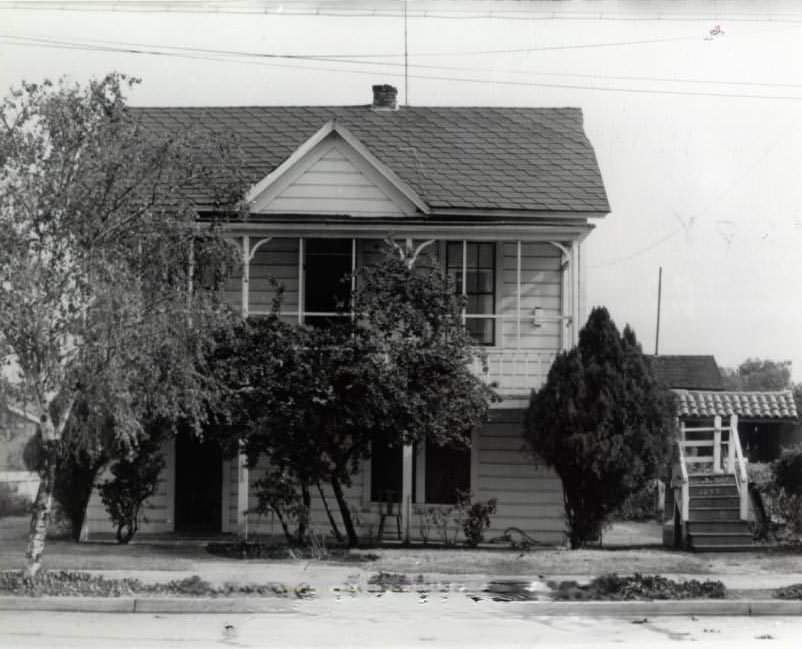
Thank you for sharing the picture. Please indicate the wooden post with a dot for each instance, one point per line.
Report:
(406, 491)
(301, 296)
(517, 297)
(731, 468)
(717, 444)
(243, 479)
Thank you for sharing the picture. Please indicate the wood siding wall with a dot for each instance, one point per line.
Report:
(335, 181)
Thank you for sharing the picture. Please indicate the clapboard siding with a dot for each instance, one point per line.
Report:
(275, 261)
(528, 494)
(336, 183)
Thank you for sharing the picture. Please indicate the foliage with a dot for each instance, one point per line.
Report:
(474, 517)
(66, 583)
(312, 400)
(135, 477)
(640, 505)
(602, 422)
(394, 581)
(101, 310)
(638, 587)
(277, 492)
(792, 591)
(788, 470)
(758, 374)
(13, 503)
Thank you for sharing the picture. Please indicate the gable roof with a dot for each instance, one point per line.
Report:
(688, 372)
(472, 158)
(778, 405)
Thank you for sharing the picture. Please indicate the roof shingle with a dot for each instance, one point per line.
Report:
(542, 154)
(688, 372)
(747, 405)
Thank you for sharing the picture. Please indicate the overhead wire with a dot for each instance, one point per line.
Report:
(228, 56)
(394, 10)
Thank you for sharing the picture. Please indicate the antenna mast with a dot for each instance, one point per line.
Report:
(659, 298)
(406, 59)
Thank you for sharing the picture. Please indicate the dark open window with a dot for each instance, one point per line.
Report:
(386, 473)
(480, 285)
(448, 471)
(327, 267)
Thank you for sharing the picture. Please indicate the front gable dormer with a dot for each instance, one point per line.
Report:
(333, 173)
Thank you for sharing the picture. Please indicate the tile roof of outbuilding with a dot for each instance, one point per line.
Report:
(528, 159)
(747, 405)
(688, 372)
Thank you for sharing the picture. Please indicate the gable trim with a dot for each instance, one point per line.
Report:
(307, 147)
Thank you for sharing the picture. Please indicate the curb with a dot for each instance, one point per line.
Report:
(168, 605)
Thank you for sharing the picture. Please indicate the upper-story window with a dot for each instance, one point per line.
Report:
(327, 265)
(480, 285)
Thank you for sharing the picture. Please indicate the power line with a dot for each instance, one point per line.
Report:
(209, 55)
(285, 9)
(216, 54)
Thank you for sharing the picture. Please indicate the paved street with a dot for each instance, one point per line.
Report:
(393, 620)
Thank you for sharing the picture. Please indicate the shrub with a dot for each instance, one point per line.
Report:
(474, 518)
(641, 505)
(13, 503)
(279, 493)
(135, 479)
(602, 422)
(788, 470)
(637, 587)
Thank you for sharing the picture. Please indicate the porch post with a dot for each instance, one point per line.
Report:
(717, 444)
(575, 324)
(243, 479)
(464, 278)
(301, 280)
(731, 468)
(517, 296)
(406, 491)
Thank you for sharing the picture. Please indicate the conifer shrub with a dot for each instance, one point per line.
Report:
(602, 423)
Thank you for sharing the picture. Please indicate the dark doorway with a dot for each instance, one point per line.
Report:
(198, 485)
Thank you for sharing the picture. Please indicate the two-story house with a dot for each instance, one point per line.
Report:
(502, 198)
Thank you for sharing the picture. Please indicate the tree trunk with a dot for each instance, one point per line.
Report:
(303, 519)
(345, 513)
(41, 510)
(334, 528)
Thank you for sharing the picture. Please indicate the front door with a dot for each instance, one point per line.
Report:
(198, 485)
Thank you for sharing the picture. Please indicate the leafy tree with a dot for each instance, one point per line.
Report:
(759, 374)
(601, 422)
(316, 398)
(102, 311)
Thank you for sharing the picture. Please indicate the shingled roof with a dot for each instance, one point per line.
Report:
(520, 159)
(778, 405)
(688, 372)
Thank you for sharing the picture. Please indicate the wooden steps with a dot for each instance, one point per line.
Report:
(714, 523)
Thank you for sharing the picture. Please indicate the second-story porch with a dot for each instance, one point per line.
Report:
(522, 294)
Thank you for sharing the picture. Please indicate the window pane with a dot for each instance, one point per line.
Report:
(487, 256)
(473, 254)
(480, 303)
(480, 281)
(481, 331)
(448, 470)
(326, 271)
(454, 254)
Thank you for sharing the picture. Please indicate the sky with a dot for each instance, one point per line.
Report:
(694, 110)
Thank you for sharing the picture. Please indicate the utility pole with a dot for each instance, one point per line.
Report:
(659, 298)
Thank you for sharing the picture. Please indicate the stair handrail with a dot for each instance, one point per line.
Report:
(741, 475)
(685, 485)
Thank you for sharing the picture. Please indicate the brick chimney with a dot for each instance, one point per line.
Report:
(384, 97)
